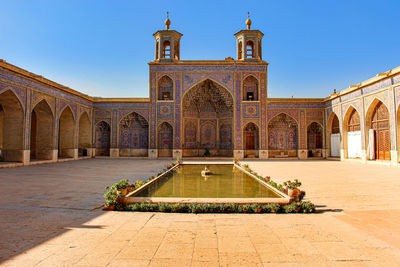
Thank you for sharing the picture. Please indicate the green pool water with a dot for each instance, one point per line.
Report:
(225, 182)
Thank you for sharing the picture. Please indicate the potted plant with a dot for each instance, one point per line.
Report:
(292, 188)
(111, 197)
(122, 187)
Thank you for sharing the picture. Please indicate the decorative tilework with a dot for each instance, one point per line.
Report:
(296, 105)
(27, 121)
(123, 112)
(302, 130)
(376, 86)
(178, 94)
(37, 97)
(294, 113)
(351, 95)
(114, 128)
(165, 110)
(382, 96)
(122, 105)
(315, 113)
(251, 110)
(238, 113)
(161, 74)
(43, 88)
(356, 104)
(18, 91)
(396, 79)
(225, 79)
(63, 104)
(153, 96)
(263, 95)
(397, 89)
(207, 68)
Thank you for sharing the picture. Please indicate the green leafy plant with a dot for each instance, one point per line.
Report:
(124, 183)
(295, 207)
(292, 184)
(111, 196)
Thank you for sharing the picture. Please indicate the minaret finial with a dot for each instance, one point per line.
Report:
(167, 21)
(248, 21)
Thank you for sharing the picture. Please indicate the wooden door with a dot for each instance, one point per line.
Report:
(250, 141)
(380, 123)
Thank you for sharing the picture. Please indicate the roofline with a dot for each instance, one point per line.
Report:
(121, 100)
(206, 62)
(291, 100)
(379, 77)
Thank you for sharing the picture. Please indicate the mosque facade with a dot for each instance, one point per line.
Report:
(198, 108)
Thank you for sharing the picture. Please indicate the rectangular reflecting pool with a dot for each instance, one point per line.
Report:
(226, 181)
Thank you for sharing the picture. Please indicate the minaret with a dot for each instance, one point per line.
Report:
(249, 43)
(167, 43)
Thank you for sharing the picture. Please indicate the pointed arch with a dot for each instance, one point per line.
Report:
(84, 135)
(250, 87)
(240, 50)
(165, 88)
(70, 109)
(207, 109)
(333, 135)
(11, 126)
(13, 92)
(251, 140)
(378, 139)
(47, 102)
(285, 113)
(66, 134)
(314, 139)
(42, 131)
(282, 136)
(166, 49)
(250, 49)
(133, 136)
(165, 139)
(352, 133)
(398, 132)
(202, 81)
(102, 138)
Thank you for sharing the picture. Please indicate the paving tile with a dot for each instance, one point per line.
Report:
(205, 254)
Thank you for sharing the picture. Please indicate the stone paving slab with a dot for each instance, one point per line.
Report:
(48, 217)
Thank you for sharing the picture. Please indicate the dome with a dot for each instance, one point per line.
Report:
(167, 22)
(248, 21)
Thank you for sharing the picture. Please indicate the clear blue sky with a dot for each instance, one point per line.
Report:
(102, 47)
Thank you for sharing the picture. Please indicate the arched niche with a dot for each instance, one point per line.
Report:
(11, 127)
(133, 136)
(352, 134)
(250, 89)
(42, 132)
(378, 131)
(314, 139)
(398, 132)
(282, 136)
(66, 134)
(250, 49)
(102, 138)
(251, 140)
(84, 135)
(207, 120)
(166, 49)
(165, 88)
(333, 135)
(165, 140)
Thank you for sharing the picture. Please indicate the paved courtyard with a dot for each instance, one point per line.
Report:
(50, 216)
